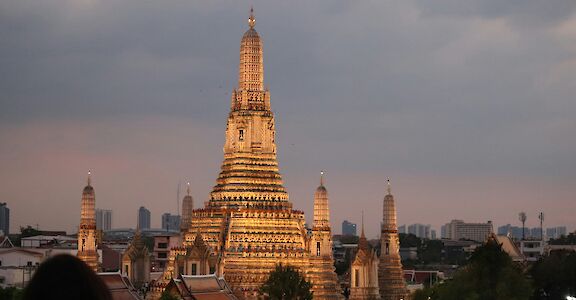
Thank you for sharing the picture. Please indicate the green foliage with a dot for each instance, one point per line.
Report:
(490, 275)
(555, 275)
(564, 240)
(349, 239)
(409, 240)
(286, 283)
(28, 231)
(168, 296)
(430, 251)
(11, 293)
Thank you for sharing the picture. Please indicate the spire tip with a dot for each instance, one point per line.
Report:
(251, 19)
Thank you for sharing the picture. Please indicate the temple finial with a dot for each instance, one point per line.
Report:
(251, 19)
(188, 188)
(89, 180)
(362, 234)
(388, 188)
(321, 178)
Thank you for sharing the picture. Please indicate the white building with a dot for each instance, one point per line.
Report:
(458, 230)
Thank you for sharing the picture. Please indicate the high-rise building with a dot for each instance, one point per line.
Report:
(143, 218)
(555, 232)
(187, 207)
(103, 219)
(420, 230)
(390, 274)
(458, 230)
(170, 222)
(514, 232)
(402, 229)
(248, 222)
(536, 233)
(348, 228)
(4, 218)
(87, 248)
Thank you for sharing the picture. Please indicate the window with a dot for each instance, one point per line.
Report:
(212, 270)
(162, 255)
(241, 134)
(356, 278)
(29, 264)
(194, 269)
(317, 248)
(163, 245)
(387, 248)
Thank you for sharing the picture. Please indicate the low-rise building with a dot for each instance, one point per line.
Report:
(162, 246)
(532, 249)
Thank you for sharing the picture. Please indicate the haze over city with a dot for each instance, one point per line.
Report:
(468, 108)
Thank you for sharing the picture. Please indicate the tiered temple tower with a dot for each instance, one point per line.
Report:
(390, 275)
(322, 272)
(248, 223)
(87, 231)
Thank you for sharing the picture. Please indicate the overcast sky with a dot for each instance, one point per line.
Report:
(469, 106)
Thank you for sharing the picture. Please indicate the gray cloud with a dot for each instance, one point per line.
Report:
(459, 90)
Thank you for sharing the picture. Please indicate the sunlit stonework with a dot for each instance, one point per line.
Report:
(87, 231)
(248, 223)
(364, 271)
(390, 275)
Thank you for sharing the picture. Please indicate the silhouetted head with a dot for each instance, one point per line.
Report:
(66, 277)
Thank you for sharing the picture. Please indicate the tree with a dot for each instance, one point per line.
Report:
(489, 275)
(555, 275)
(11, 293)
(28, 231)
(167, 296)
(409, 240)
(286, 283)
(430, 251)
(569, 239)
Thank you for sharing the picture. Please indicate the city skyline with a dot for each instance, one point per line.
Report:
(463, 109)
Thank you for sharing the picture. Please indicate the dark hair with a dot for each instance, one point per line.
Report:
(65, 276)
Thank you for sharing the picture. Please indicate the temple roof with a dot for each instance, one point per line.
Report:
(119, 286)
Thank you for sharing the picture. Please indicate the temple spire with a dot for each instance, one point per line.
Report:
(251, 19)
(321, 178)
(89, 180)
(388, 188)
(362, 234)
(188, 188)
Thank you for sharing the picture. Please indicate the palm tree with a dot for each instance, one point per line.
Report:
(522, 218)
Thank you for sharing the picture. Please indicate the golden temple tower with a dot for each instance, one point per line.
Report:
(390, 274)
(248, 223)
(321, 272)
(87, 231)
